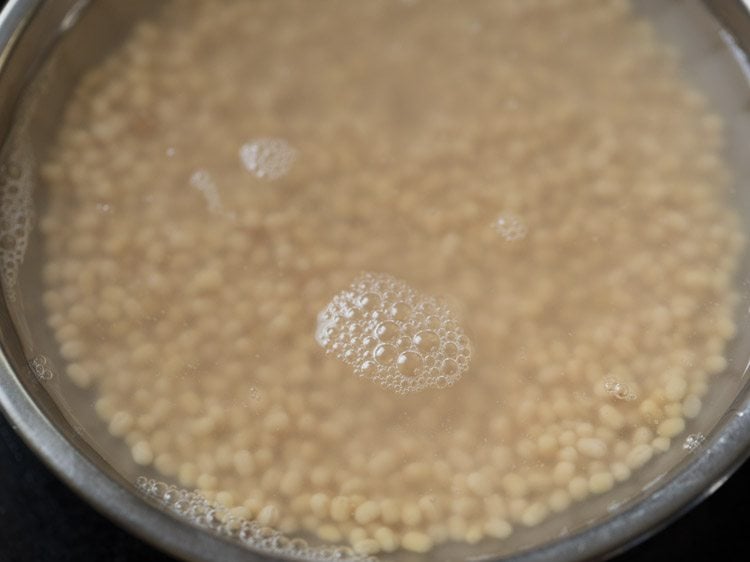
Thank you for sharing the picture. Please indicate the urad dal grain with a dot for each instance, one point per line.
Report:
(541, 167)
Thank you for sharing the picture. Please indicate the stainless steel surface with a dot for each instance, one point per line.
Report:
(28, 31)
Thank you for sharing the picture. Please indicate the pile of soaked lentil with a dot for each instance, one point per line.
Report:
(538, 169)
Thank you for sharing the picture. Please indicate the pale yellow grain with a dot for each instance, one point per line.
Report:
(416, 541)
(341, 509)
(601, 482)
(367, 512)
(671, 427)
(534, 514)
(498, 528)
(639, 455)
(387, 539)
(366, 547)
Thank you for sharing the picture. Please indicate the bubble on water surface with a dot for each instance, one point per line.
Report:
(510, 227)
(195, 508)
(203, 182)
(16, 212)
(618, 389)
(393, 335)
(268, 158)
(41, 368)
(693, 441)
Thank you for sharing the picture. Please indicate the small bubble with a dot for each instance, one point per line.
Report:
(619, 390)
(409, 363)
(182, 506)
(449, 367)
(400, 311)
(384, 354)
(433, 322)
(427, 340)
(171, 495)
(266, 533)
(159, 489)
(404, 342)
(386, 331)
(368, 368)
(281, 543)
(369, 301)
(428, 308)
(198, 510)
(343, 553)
(368, 342)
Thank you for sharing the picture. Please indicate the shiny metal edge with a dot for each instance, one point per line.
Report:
(720, 456)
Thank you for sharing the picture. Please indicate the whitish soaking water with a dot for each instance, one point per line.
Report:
(390, 274)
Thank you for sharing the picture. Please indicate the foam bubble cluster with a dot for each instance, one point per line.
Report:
(693, 441)
(16, 213)
(268, 158)
(393, 335)
(41, 368)
(195, 508)
(511, 227)
(619, 389)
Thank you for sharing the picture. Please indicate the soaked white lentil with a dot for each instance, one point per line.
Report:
(539, 169)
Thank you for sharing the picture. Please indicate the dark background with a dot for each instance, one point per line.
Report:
(41, 520)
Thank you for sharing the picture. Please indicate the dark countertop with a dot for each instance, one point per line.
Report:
(41, 520)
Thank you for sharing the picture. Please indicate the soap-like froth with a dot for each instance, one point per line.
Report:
(393, 335)
(510, 227)
(197, 509)
(268, 159)
(41, 368)
(16, 212)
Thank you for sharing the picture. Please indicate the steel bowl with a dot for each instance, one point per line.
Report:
(75, 34)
